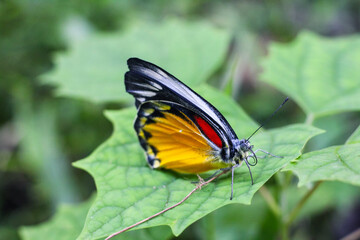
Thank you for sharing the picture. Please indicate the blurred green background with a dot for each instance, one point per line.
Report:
(42, 133)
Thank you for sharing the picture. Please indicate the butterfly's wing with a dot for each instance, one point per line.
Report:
(146, 81)
(149, 83)
(172, 139)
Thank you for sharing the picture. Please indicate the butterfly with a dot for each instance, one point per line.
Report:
(178, 129)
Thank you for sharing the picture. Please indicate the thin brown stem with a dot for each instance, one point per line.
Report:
(309, 119)
(201, 184)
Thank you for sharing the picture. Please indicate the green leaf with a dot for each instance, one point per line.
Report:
(41, 152)
(129, 191)
(66, 224)
(257, 222)
(94, 68)
(355, 137)
(7, 232)
(69, 220)
(236, 220)
(320, 74)
(336, 163)
(329, 195)
(156, 233)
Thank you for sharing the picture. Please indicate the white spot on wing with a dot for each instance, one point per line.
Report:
(158, 86)
(143, 93)
(144, 85)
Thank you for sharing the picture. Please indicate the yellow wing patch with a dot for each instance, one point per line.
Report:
(178, 143)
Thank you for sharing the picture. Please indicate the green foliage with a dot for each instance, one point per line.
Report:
(41, 151)
(234, 220)
(320, 74)
(337, 163)
(355, 137)
(256, 221)
(119, 168)
(190, 51)
(40, 135)
(68, 222)
(120, 171)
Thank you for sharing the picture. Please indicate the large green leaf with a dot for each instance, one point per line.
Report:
(320, 74)
(340, 163)
(69, 220)
(66, 224)
(41, 152)
(93, 69)
(129, 191)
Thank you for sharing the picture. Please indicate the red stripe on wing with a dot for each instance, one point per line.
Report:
(209, 131)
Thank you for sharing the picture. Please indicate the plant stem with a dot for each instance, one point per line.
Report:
(269, 199)
(283, 201)
(309, 119)
(300, 204)
(284, 232)
(284, 182)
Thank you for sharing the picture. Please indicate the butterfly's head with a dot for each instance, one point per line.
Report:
(244, 151)
(245, 145)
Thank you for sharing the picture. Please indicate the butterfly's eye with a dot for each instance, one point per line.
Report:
(245, 145)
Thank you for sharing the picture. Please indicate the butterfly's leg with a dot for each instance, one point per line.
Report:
(259, 157)
(201, 180)
(232, 180)
(204, 180)
(247, 164)
(212, 175)
(215, 173)
(260, 150)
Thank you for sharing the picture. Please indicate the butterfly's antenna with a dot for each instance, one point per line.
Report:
(268, 119)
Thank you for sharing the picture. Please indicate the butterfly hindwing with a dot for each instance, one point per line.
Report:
(172, 138)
